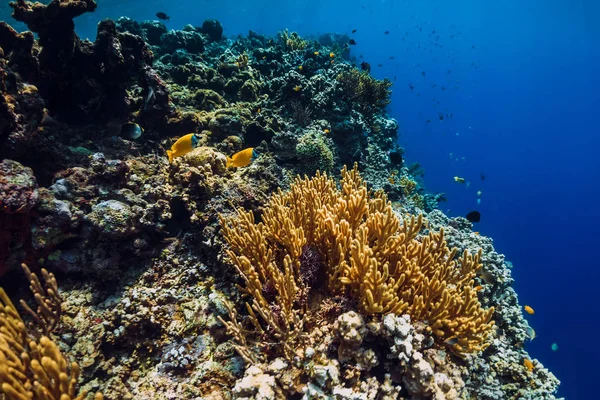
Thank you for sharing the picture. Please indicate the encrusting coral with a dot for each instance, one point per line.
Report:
(32, 366)
(353, 238)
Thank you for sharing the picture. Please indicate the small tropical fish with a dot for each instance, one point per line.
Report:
(487, 276)
(300, 67)
(297, 88)
(264, 57)
(473, 216)
(326, 130)
(459, 179)
(529, 310)
(131, 131)
(365, 66)
(554, 347)
(478, 288)
(353, 30)
(528, 364)
(451, 341)
(476, 233)
(242, 158)
(479, 193)
(162, 15)
(150, 97)
(183, 145)
(352, 42)
(530, 333)
(386, 32)
(316, 53)
(396, 157)
(258, 111)
(332, 54)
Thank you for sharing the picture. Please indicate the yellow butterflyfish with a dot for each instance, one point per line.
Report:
(326, 130)
(183, 145)
(529, 310)
(300, 67)
(242, 158)
(331, 54)
(297, 88)
(316, 53)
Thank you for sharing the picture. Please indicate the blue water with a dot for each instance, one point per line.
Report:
(522, 84)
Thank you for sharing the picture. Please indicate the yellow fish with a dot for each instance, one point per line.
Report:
(326, 130)
(297, 88)
(478, 288)
(300, 67)
(528, 364)
(316, 53)
(529, 310)
(242, 158)
(331, 54)
(459, 179)
(184, 145)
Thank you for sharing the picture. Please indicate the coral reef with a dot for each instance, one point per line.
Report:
(80, 81)
(377, 306)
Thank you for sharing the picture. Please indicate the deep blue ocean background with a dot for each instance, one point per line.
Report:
(521, 81)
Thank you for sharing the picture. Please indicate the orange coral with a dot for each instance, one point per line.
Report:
(369, 254)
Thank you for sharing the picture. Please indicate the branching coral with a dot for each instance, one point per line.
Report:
(32, 367)
(48, 301)
(368, 254)
(360, 87)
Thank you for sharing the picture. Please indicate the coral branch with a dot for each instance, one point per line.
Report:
(31, 367)
(369, 255)
(48, 300)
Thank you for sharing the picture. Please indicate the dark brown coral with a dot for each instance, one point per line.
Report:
(83, 81)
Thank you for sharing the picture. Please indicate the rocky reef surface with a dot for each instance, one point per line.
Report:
(136, 242)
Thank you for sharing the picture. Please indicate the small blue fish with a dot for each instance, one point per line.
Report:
(131, 131)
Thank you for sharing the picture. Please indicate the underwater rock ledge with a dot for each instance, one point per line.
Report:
(154, 260)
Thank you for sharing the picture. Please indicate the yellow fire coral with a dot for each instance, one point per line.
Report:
(365, 252)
